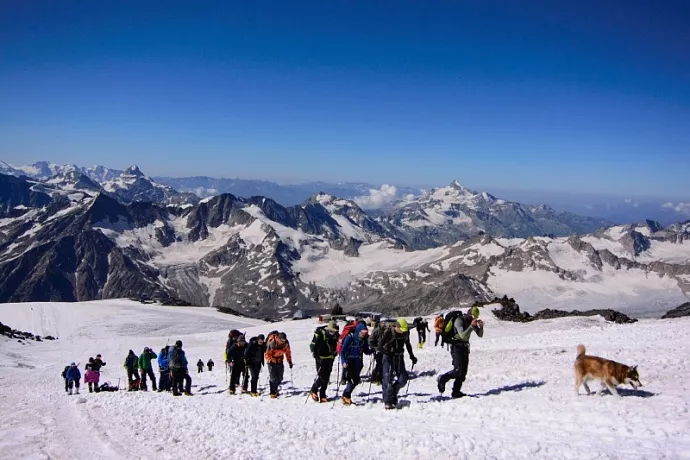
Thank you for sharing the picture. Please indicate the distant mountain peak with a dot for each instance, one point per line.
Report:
(134, 171)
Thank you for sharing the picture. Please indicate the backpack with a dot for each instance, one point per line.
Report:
(64, 372)
(350, 327)
(448, 332)
(176, 361)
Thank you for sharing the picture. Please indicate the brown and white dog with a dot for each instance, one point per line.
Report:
(610, 373)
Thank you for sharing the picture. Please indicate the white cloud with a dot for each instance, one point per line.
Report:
(683, 208)
(378, 198)
(203, 192)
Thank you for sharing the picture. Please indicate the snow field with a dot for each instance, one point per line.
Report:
(523, 403)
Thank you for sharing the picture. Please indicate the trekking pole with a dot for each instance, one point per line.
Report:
(268, 376)
(408, 381)
(371, 378)
(292, 382)
(318, 371)
(337, 388)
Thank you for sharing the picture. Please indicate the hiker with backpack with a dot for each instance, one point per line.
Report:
(199, 366)
(349, 327)
(422, 327)
(254, 356)
(323, 348)
(277, 350)
(438, 329)
(132, 366)
(210, 365)
(374, 339)
(64, 376)
(236, 362)
(354, 347)
(178, 368)
(457, 331)
(232, 337)
(146, 368)
(73, 376)
(392, 345)
(164, 381)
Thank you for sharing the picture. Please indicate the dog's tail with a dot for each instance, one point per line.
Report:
(581, 350)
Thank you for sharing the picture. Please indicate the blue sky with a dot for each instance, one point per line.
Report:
(585, 97)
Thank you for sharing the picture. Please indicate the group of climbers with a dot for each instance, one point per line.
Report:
(245, 360)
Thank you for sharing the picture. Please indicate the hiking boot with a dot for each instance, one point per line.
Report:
(244, 390)
(459, 394)
(77, 391)
(176, 393)
(314, 396)
(187, 393)
(346, 401)
(324, 399)
(69, 392)
(390, 406)
(231, 391)
(160, 390)
(255, 394)
(274, 395)
(441, 384)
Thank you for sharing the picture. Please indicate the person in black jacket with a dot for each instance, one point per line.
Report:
(392, 345)
(132, 366)
(199, 366)
(236, 362)
(322, 347)
(254, 355)
(210, 365)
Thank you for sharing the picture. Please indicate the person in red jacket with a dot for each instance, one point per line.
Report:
(277, 350)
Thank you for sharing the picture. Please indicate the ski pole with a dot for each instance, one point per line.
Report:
(337, 388)
(292, 382)
(371, 379)
(408, 381)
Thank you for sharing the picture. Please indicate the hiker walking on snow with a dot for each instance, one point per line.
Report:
(392, 344)
(438, 329)
(210, 365)
(351, 357)
(254, 356)
(277, 349)
(374, 339)
(178, 368)
(236, 361)
(64, 376)
(422, 328)
(164, 380)
(323, 349)
(146, 369)
(73, 375)
(459, 328)
(132, 366)
(199, 366)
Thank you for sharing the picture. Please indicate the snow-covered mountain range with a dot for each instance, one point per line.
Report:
(255, 256)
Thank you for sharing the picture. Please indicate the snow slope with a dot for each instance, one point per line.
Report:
(523, 403)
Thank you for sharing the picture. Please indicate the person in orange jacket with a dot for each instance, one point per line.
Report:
(277, 350)
(439, 323)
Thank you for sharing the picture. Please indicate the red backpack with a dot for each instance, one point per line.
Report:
(350, 327)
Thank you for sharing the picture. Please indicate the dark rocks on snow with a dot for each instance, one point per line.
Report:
(20, 335)
(683, 310)
(510, 311)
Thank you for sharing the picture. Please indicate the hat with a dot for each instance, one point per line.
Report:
(402, 322)
(260, 337)
(474, 311)
(98, 355)
(72, 363)
(332, 326)
(178, 343)
(361, 327)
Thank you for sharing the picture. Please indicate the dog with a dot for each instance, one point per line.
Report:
(610, 373)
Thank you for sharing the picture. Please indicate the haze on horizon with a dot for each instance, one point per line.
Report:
(587, 98)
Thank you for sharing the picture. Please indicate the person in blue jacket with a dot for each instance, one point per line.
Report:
(177, 361)
(73, 376)
(164, 369)
(355, 345)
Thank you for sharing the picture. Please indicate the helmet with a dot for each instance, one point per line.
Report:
(402, 322)
(474, 311)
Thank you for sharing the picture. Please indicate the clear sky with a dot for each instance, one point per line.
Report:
(574, 96)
